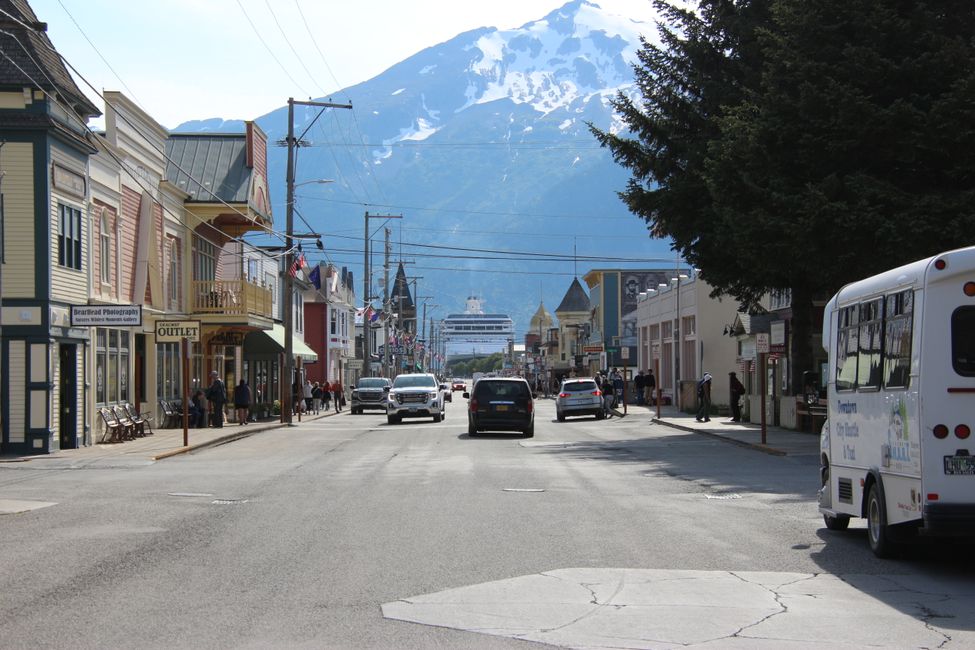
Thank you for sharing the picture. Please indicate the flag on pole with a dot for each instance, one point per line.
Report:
(297, 265)
(316, 277)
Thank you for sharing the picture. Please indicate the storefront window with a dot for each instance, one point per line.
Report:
(168, 370)
(112, 356)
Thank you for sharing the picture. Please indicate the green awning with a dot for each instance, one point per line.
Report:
(299, 347)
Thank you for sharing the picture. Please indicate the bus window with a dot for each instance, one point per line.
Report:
(899, 326)
(963, 341)
(846, 348)
(871, 335)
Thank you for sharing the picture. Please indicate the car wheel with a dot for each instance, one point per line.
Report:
(471, 429)
(438, 417)
(600, 416)
(392, 419)
(529, 432)
(560, 417)
(877, 532)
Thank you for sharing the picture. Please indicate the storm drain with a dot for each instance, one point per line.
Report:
(723, 497)
(228, 502)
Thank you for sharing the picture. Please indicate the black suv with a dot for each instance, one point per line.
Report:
(501, 404)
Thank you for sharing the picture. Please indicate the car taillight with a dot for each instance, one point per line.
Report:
(530, 406)
(940, 431)
(963, 431)
(563, 395)
(473, 404)
(597, 393)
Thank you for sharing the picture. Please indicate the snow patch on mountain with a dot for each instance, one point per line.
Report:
(572, 53)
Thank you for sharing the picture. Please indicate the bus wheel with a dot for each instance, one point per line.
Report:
(877, 532)
(839, 522)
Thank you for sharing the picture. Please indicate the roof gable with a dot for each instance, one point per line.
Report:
(575, 298)
(211, 168)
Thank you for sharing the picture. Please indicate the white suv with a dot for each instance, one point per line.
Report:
(415, 396)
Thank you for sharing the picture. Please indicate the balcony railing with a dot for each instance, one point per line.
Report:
(231, 297)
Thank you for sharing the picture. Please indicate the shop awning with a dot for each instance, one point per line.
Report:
(299, 347)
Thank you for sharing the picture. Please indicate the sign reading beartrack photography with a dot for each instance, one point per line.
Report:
(172, 331)
(106, 315)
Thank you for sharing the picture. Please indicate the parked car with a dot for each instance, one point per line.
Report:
(580, 396)
(369, 393)
(415, 396)
(501, 404)
(448, 395)
(458, 385)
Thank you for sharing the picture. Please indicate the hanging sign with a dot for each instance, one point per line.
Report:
(173, 331)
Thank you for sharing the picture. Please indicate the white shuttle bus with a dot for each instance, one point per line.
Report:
(897, 446)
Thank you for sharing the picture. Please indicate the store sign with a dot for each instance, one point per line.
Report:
(106, 315)
(592, 348)
(227, 338)
(777, 336)
(762, 343)
(173, 331)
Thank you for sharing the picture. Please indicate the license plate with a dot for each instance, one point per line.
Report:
(959, 464)
(501, 407)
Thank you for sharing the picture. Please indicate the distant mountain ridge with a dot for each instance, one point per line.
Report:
(471, 140)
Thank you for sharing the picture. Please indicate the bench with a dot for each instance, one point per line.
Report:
(142, 420)
(116, 429)
(813, 414)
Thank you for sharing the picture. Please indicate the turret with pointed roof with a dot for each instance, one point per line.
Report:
(542, 320)
(575, 300)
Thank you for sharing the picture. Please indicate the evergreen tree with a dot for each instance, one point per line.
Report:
(837, 143)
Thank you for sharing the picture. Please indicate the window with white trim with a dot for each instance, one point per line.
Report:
(105, 248)
(69, 237)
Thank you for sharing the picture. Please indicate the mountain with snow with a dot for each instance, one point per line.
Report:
(479, 142)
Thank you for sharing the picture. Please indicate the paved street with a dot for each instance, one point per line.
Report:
(347, 532)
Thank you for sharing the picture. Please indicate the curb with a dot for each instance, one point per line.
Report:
(237, 435)
(765, 449)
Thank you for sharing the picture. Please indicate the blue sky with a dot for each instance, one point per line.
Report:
(195, 59)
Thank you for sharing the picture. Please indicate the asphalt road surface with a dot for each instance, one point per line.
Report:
(347, 532)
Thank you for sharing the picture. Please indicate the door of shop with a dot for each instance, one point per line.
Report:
(68, 396)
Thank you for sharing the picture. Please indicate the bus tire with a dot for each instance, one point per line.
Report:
(878, 533)
(838, 522)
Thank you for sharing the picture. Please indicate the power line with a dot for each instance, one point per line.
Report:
(534, 215)
(268, 48)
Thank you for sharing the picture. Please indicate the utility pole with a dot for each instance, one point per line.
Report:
(289, 285)
(366, 291)
(386, 369)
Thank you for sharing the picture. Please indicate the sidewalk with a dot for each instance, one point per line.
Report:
(778, 441)
(164, 443)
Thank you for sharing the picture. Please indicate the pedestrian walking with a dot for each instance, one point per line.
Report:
(704, 398)
(217, 397)
(617, 378)
(307, 394)
(638, 382)
(337, 395)
(649, 387)
(609, 409)
(316, 398)
(242, 401)
(737, 390)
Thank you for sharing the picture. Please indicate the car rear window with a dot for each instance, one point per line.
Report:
(576, 386)
(510, 390)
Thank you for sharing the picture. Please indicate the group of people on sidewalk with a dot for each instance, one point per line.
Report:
(737, 389)
(308, 398)
(313, 397)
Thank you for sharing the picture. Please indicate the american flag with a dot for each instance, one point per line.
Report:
(297, 265)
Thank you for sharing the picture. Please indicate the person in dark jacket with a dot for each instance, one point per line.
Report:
(737, 389)
(198, 410)
(217, 396)
(704, 398)
(242, 401)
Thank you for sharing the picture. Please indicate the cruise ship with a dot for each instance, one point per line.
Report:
(476, 331)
